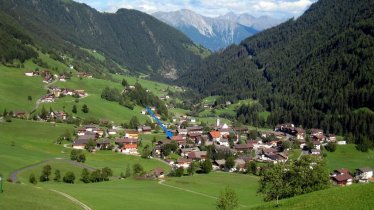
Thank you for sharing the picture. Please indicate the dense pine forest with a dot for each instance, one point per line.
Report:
(128, 37)
(314, 71)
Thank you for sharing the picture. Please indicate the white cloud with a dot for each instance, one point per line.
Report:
(275, 8)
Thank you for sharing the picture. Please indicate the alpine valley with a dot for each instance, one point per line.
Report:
(176, 110)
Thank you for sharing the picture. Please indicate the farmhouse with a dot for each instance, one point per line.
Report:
(130, 149)
(183, 162)
(243, 147)
(82, 141)
(214, 136)
(112, 131)
(197, 155)
(341, 177)
(125, 141)
(132, 134)
(159, 173)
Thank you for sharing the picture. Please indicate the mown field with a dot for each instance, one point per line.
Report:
(347, 156)
(17, 196)
(358, 196)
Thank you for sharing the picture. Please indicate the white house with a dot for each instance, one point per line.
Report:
(364, 174)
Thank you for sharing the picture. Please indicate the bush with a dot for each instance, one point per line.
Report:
(69, 177)
(138, 169)
(331, 147)
(32, 179)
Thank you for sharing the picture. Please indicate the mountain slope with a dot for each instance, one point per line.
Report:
(258, 23)
(129, 37)
(314, 71)
(212, 33)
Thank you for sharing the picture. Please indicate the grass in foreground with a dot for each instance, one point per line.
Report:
(358, 196)
(17, 196)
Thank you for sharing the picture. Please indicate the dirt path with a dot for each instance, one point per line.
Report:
(14, 174)
(72, 199)
(161, 182)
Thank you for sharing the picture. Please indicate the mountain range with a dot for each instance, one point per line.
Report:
(129, 38)
(219, 32)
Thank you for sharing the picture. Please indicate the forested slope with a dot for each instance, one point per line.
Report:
(316, 71)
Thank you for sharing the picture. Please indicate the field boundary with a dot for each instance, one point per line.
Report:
(74, 200)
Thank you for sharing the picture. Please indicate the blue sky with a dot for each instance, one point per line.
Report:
(212, 8)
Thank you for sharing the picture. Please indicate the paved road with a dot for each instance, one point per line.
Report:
(14, 174)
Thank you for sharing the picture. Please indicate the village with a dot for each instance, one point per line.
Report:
(191, 145)
(194, 142)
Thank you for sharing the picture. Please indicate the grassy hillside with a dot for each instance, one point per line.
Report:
(352, 197)
(17, 196)
(347, 156)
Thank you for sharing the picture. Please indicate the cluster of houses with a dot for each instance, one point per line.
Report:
(316, 136)
(56, 92)
(48, 77)
(84, 75)
(343, 177)
(128, 144)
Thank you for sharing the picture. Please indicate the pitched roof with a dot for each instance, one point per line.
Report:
(130, 146)
(126, 140)
(342, 177)
(184, 160)
(215, 134)
(366, 169)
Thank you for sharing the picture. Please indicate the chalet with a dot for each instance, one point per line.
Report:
(192, 136)
(125, 141)
(364, 174)
(300, 133)
(223, 142)
(63, 78)
(112, 131)
(159, 173)
(220, 164)
(183, 162)
(341, 177)
(243, 147)
(315, 152)
(156, 152)
(197, 155)
(319, 137)
(185, 151)
(20, 114)
(129, 149)
(195, 129)
(331, 137)
(215, 136)
(84, 75)
(286, 127)
(81, 141)
(32, 74)
(179, 139)
(239, 165)
(47, 98)
(104, 143)
(182, 131)
(67, 92)
(58, 115)
(317, 145)
(132, 134)
(80, 93)
(315, 131)
(145, 129)
(241, 130)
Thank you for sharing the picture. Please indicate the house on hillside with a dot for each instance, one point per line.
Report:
(132, 134)
(131, 149)
(197, 155)
(364, 174)
(183, 162)
(215, 136)
(243, 147)
(341, 177)
(81, 141)
(159, 173)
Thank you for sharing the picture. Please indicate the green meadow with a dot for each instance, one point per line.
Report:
(347, 156)
(18, 196)
(359, 196)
